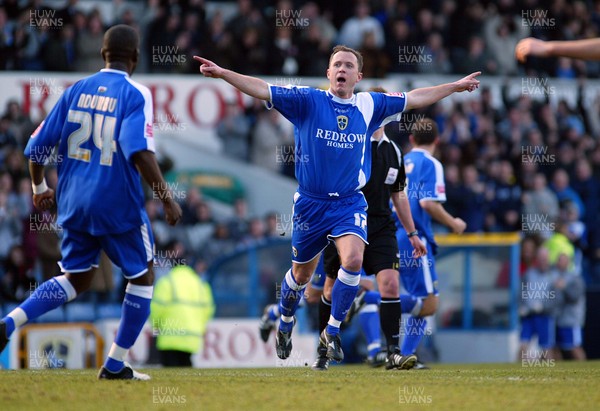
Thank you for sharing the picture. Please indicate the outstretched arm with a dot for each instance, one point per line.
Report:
(587, 49)
(426, 96)
(252, 86)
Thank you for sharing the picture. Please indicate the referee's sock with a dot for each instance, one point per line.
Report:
(342, 295)
(389, 310)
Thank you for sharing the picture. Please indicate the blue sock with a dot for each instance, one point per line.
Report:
(291, 294)
(368, 318)
(414, 331)
(134, 313)
(372, 297)
(343, 293)
(10, 325)
(408, 303)
(47, 296)
(273, 312)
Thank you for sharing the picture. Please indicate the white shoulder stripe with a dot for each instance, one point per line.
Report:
(439, 176)
(366, 106)
(148, 112)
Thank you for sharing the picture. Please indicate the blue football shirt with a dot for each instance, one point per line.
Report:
(424, 181)
(97, 124)
(332, 135)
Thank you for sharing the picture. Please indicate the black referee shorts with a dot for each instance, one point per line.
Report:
(380, 254)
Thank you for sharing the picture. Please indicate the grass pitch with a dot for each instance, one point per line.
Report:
(560, 386)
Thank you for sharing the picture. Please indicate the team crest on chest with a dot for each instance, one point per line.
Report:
(342, 122)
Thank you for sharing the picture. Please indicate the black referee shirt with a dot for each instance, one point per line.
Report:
(387, 176)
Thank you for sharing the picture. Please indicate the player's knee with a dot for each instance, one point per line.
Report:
(352, 262)
(429, 306)
(389, 285)
(146, 279)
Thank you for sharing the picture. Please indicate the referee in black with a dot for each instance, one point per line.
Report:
(381, 256)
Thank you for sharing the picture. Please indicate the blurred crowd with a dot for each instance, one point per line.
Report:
(294, 38)
(525, 165)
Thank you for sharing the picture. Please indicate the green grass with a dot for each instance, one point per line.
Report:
(564, 386)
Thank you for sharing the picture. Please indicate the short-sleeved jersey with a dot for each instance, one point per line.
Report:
(424, 181)
(332, 135)
(98, 124)
(387, 176)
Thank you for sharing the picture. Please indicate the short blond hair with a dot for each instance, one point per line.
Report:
(338, 48)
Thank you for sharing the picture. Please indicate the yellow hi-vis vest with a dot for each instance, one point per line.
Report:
(181, 308)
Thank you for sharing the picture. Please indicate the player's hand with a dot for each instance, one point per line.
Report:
(458, 225)
(45, 200)
(419, 249)
(469, 83)
(208, 68)
(531, 47)
(172, 211)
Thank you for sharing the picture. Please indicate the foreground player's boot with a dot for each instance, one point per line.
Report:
(283, 344)
(3, 338)
(266, 324)
(378, 360)
(322, 361)
(420, 366)
(127, 373)
(333, 344)
(401, 362)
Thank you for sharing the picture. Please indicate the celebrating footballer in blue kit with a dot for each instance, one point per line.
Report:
(332, 130)
(102, 127)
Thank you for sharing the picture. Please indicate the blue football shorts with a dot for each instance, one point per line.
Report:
(540, 325)
(131, 251)
(418, 275)
(568, 338)
(318, 221)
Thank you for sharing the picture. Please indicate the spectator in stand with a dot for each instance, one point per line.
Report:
(234, 129)
(219, 245)
(474, 207)
(256, 231)
(87, 45)
(570, 320)
(20, 123)
(476, 57)
(272, 230)
(237, 226)
(560, 186)
(273, 142)
(541, 203)
(18, 280)
(587, 188)
(376, 61)
(399, 42)
(10, 226)
(188, 207)
(59, 52)
(502, 33)
(506, 205)
(353, 31)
